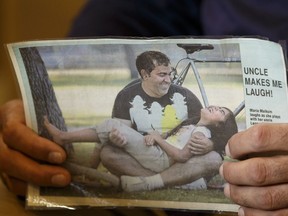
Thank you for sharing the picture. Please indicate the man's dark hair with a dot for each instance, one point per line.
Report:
(150, 59)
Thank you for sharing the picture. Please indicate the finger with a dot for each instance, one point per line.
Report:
(124, 140)
(23, 168)
(21, 138)
(14, 185)
(197, 136)
(257, 139)
(114, 134)
(196, 151)
(145, 140)
(256, 171)
(117, 138)
(196, 146)
(257, 212)
(263, 198)
(12, 111)
(114, 139)
(151, 141)
(18, 136)
(196, 141)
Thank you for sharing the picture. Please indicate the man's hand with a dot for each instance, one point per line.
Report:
(23, 153)
(117, 138)
(199, 144)
(260, 182)
(149, 140)
(152, 138)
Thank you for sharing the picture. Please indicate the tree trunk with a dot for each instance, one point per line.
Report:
(44, 98)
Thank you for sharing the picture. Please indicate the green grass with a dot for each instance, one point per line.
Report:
(63, 80)
(169, 194)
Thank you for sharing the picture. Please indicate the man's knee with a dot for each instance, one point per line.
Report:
(111, 154)
(214, 156)
(115, 160)
(112, 123)
(107, 154)
(213, 160)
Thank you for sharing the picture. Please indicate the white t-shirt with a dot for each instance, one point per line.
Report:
(180, 139)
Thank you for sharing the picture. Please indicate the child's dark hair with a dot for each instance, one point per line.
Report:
(220, 133)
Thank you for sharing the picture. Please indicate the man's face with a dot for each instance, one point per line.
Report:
(158, 82)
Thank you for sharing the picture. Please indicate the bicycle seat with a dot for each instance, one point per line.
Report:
(191, 48)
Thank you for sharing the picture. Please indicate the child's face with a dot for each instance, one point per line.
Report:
(214, 114)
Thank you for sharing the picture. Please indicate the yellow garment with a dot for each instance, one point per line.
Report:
(170, 119)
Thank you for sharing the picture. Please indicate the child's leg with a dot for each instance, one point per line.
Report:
(91, 173)
(63, 137)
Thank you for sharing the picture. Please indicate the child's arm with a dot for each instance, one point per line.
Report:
(178, 155)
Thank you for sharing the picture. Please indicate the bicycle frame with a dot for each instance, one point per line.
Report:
(179, 79)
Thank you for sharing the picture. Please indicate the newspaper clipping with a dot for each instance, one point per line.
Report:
(128, 112)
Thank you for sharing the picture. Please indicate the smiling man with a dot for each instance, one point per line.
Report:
(150, 105)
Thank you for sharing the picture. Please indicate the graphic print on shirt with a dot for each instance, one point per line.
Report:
(178, 101)
(154, 116)
(139, 113)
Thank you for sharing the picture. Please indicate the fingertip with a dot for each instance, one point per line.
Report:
(221, 171)
(56, 157)
(60, 180)
(18, 187)
(227, 190)
(241, 212)
(227, 150)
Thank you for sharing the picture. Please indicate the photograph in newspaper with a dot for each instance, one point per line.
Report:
(145, 122)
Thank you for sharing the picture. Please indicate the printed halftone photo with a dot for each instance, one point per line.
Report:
(144, 122)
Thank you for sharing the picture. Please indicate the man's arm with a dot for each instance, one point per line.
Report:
(200, 144)
(21, 149)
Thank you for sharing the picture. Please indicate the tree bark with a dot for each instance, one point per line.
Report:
(44, 98)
